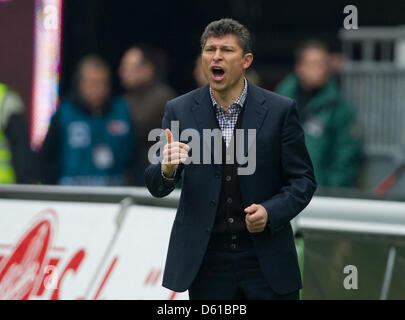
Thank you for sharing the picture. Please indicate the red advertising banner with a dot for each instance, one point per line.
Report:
(70, 251)
(17, 46)
(30, 51)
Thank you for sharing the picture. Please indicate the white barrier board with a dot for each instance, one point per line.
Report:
(68, 250)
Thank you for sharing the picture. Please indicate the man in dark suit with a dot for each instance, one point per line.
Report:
(232, 238)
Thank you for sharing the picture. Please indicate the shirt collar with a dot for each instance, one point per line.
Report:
(239, 101)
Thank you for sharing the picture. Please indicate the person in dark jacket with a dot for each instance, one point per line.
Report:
(328, 120)
(146, 96)
(231, 237)
(17, 163)
(91, 138)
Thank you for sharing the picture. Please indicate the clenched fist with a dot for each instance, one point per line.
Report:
(174, 153)
(256, 218)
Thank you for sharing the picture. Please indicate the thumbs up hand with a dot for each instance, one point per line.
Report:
(174, 153)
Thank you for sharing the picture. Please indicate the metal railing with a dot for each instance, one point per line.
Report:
(337, 231)
(373, 81)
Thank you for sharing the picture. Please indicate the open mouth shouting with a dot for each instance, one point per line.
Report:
(217, 73)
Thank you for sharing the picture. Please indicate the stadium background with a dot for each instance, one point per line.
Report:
(109, 27)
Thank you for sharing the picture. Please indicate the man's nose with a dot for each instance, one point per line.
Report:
(217, 55)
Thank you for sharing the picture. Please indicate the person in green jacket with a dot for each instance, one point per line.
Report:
(328, 120)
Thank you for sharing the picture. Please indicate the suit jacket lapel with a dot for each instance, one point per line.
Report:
(254, 114)
(204, 115)
(253, 117)
(203, 110)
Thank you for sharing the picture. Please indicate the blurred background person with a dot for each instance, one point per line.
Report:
(328, 120)
(91, 138)
(198, 74)
(146, 96)
(253, 76)
(16, 157)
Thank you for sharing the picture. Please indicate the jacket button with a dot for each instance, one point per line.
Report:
(212, 203)
(230, 220)
(228, 178)
(229, 200)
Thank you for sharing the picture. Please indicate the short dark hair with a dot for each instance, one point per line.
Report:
(148, 53)
(93, 60)
(309, 44)
(227, 26)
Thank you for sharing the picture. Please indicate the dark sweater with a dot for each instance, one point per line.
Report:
(229, 231)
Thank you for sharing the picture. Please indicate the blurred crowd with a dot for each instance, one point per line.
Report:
(96, 138)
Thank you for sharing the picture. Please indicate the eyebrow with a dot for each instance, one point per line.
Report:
(222, 47)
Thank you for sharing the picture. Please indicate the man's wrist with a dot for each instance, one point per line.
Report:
(168, 176)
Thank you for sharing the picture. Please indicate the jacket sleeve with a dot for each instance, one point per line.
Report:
(297, 174)
(157, 185)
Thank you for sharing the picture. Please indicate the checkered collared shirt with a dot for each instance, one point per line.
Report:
(227, 120)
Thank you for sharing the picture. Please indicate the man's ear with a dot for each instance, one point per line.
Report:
(248, 59)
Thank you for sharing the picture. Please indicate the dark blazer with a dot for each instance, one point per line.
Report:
(283, 183)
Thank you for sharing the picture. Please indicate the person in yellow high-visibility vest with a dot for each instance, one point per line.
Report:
(16, 157)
